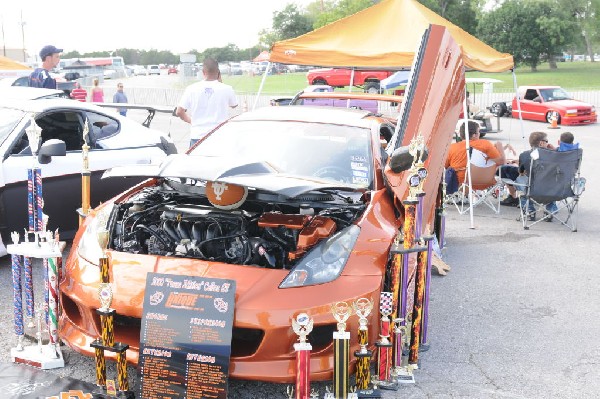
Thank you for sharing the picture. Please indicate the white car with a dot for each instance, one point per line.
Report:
(139, 70)
(153, 70)
(113, 140)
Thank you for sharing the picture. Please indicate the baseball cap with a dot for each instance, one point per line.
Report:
(49, 50)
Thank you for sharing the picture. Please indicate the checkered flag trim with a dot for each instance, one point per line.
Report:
(385, 304)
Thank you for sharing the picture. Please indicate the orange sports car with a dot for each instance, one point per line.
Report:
(297, 204)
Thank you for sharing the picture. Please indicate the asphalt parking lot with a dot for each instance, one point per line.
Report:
(514, 318)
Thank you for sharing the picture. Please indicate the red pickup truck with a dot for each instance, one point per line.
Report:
(336, 77)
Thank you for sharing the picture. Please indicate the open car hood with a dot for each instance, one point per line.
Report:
(259, 175)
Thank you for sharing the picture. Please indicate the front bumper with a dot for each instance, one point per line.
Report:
(262, 344)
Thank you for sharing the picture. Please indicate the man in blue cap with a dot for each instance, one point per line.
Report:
(40, 77)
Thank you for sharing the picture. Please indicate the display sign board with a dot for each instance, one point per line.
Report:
(187, 58)
(185, 339)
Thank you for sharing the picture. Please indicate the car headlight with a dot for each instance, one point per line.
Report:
(88, 248)
(571, 112)
(325, 262)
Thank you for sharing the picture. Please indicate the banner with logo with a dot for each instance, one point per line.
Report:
(23, 382)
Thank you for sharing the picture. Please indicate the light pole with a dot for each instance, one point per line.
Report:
(23, 36)
(3, 38)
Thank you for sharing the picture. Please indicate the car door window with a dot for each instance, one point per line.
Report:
(101, 127)
(62, 125)
(531, 94)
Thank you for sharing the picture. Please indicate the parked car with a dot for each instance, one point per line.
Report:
(340, 77)
(23, 81)
(114, 140)
(539, 103)
(333, 100)
(139, 70)
(235, 68)
(171, 70)
(224, 68)
(153, 70)
(299, 205)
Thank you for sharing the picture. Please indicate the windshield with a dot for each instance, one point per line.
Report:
(330, 152)
(9, 118)
(554, 94)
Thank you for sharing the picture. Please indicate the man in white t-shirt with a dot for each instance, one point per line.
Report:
(205, 104)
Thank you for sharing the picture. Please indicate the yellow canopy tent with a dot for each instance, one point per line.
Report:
(383, 36)
(8, 64)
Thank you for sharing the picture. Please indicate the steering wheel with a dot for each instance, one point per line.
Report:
(334, 172)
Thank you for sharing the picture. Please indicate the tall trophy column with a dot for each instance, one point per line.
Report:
(107, 340)
(341, 348)
(302, 326)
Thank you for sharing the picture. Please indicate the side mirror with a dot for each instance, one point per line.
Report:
(402, 160)
(51, 148)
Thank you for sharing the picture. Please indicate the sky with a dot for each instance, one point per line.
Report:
(105, 25)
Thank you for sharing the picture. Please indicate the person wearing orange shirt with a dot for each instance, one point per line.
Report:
(457, 155)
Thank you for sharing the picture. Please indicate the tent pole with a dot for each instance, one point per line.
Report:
(262, 82)
(350, 87)
(518, 104)
(468, 170)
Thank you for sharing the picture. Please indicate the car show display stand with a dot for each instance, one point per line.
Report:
(47, 356)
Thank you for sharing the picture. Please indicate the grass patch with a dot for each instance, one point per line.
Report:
(569, 75)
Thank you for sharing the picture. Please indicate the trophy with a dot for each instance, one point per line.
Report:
(419, 296)
(85, 175)
(362, 308)
(302, 326)
(384, 346)
(328, 393)
(44, 319)
(17, 293)
(107, 340)
(34, 134)
(341, 347)
(401, 374)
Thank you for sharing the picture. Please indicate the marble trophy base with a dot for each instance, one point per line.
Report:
(43, 357)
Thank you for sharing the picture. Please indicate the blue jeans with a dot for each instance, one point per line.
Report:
(551, 207)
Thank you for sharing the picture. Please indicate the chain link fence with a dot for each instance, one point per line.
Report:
(170, 97)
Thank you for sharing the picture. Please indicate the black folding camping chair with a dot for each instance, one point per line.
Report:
(553, 177)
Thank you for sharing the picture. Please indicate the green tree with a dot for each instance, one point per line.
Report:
(290, 22)
(587, 15)
(332, 11)
(527, 29)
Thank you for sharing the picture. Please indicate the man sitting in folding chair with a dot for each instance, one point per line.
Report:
(485, 157)
(550, 180)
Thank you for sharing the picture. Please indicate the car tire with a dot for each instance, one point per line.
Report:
(319, 82)
(372, 88)
(549, 117)
(499, 109)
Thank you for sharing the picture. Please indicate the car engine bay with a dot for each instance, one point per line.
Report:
(273, 235)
